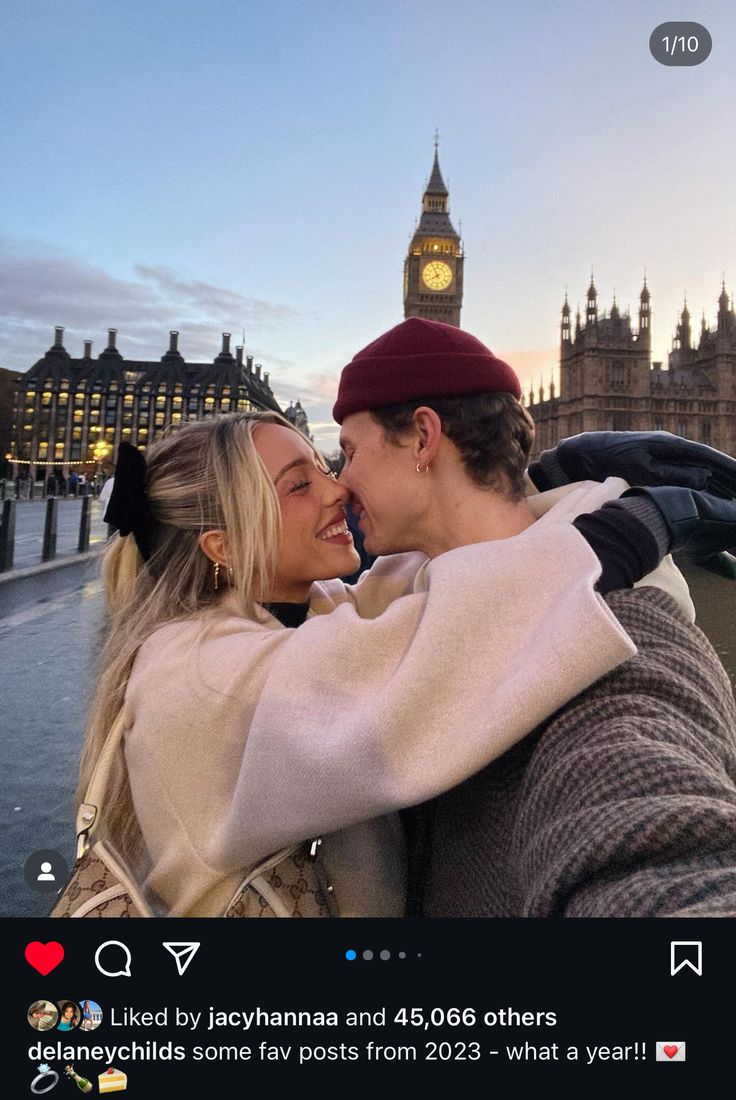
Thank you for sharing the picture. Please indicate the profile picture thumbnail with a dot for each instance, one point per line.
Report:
(42, 1015)
(70, 1015)
(91, 1015)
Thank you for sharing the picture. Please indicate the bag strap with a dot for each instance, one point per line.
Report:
(88, 813)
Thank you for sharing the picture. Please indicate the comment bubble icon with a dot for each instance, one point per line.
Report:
(115, 953)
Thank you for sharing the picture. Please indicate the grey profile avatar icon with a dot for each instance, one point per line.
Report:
(46, 874)
(46, 871)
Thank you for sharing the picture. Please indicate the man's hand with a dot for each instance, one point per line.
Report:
(698, 523)
(641, 458)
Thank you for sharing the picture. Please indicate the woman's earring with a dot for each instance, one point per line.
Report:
(217, 575)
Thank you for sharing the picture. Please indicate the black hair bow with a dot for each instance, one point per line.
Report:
(128, 508)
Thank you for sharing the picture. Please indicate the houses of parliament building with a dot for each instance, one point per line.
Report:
(607, 379)
(609, 383)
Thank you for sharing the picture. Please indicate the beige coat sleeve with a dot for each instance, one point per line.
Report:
(350, 718)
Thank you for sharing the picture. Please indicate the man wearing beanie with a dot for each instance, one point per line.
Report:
(436, 444)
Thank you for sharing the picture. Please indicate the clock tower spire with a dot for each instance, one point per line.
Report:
(433, 269)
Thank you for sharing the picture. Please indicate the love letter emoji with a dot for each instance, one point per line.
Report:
(44, 957)
(670, 1050)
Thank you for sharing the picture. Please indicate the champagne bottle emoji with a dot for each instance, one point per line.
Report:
(81, 1082)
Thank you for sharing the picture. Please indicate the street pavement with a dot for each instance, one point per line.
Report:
(46, 674)
(30, 516)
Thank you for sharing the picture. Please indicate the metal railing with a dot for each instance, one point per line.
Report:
(48, 550)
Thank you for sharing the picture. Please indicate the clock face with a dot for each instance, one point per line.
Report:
(437, 275)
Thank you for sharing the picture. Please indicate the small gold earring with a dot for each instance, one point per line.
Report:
(422, 471)
(217, 575)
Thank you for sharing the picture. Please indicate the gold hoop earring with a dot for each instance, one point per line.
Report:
(217, 575)
(422, 471)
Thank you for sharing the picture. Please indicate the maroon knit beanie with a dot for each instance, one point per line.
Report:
(420, 358)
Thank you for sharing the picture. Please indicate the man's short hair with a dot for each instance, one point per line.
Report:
(493, 433)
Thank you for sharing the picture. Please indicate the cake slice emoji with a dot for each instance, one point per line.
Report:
(113, 1080)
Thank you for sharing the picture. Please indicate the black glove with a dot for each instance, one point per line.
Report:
(698, 523)
(723, 565)
(641, 458)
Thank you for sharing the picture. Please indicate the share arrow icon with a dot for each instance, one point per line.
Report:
(183, 954)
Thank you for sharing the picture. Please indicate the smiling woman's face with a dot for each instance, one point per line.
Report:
(315, 541)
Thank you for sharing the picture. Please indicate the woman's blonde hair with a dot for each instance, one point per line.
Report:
(204, 475)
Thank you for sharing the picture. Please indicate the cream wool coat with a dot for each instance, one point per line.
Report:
(245, 737)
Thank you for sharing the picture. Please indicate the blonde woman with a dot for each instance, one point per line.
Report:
(266, 703)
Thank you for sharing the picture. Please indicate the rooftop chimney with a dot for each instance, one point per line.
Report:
(87, 349)
(265, 380)
(174, 341)
(239, 355)
(258, 370)
(59, 336)
(112, 335)
(249, 363)
(225, 343)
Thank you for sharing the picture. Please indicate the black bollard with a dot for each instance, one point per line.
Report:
(49, 530)
(83, 544)
(7, 536)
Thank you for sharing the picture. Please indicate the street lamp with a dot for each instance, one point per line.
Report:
(100, 451)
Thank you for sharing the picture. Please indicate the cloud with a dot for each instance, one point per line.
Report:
(43, 287)
(205, 299)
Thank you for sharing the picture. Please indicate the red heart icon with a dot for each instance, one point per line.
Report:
(44, 957)
(670, 1050)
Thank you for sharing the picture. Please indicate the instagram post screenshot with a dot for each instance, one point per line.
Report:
(367, 545)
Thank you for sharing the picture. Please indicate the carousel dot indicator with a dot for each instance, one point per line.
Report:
(385, 954)
(402, 954)
(350, 955)
(368, 955)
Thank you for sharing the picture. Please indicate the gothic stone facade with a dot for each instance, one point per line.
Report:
(608, 382)
(70, 412)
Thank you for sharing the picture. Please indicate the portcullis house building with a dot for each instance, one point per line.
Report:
(72, 413)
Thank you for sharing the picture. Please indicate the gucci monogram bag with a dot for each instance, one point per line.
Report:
(290, 883)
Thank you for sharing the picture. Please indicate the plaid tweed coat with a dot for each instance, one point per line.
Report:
(623, 804)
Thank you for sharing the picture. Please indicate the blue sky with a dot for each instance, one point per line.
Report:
(260, 166)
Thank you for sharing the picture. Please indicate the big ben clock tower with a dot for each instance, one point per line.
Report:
(433, 269)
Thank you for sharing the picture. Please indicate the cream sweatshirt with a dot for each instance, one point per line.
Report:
(245, 737)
